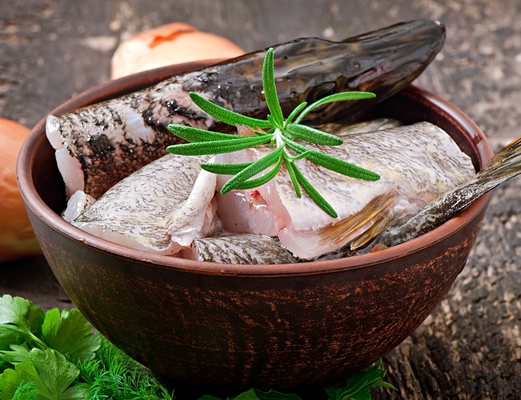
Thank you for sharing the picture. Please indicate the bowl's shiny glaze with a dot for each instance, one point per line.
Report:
(272, 326)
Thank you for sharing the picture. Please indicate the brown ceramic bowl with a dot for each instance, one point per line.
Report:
(266, 326)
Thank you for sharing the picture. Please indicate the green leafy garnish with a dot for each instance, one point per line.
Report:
(276, 132)
(55, 355)
(359, 385)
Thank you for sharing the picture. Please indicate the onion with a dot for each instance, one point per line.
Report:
(17, 238)
(169, 44)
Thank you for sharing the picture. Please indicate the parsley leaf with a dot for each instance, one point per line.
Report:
(20, 321)
(69, 333)
(51, 374)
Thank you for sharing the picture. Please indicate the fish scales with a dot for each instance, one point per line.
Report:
(240, 249)
(98, 145)
(151, 206)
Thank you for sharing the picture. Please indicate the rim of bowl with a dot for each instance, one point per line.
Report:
(143, 79)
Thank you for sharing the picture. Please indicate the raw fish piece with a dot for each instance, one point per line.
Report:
(417, 164)
(160, 208)
(239, 249)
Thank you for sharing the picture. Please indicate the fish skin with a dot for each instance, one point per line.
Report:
(341, 129)
(505, 165)
(246, 249)
(160, 208)
(99, 145)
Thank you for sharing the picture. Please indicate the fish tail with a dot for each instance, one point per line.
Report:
(505, 165)
(363, 226)
(382, 222)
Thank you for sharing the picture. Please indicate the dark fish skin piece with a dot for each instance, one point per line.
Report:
(246, 249)
(106, 142)
(383, 61)
(505, 165)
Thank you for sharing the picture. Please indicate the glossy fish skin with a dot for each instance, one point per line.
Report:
(505, 165)
(99, 145)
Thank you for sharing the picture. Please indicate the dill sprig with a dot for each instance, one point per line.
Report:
(114, 375)
(275, 131)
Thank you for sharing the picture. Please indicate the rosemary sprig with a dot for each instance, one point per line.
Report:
(274, 131)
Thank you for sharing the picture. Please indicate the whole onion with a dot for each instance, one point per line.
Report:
(169, 44)
(17, 238)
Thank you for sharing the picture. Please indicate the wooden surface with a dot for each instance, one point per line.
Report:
(470, 347)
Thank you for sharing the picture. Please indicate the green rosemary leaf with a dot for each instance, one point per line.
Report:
(258, 166)
(217, 147)
(295, 112)
(291, 172)
(343, 96)
(334, 164)
(225, 169)
(272, 120)
(253, 183)
(199, 135)
(313, 193)
(227, 116)
(342, 167)
(270, 90)
(313, 135)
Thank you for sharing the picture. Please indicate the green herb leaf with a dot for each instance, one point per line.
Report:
(49, 372)
(295, 112)
(313, 193)
(313, 135)
(254, 394)
(343, 96)
(26, 391)
(114, 375)
(225, 115)
(69, 333)
(217, 147)
(359, 385)
(334, 164)
(191, 134)
(20, 320)
(291, 171)
(270, 90)
(253, 183)
(252, 170)
(225, 169)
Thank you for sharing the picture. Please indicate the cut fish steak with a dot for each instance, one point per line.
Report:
(417, 164)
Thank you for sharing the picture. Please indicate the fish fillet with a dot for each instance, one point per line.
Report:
(160, 208)
(417, 164)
